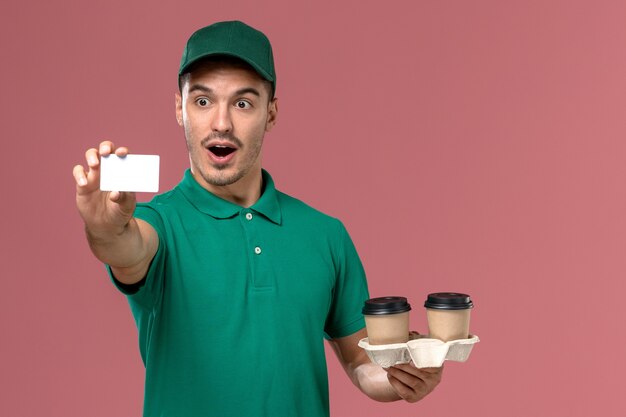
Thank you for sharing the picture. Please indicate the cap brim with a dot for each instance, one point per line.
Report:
(248, 61)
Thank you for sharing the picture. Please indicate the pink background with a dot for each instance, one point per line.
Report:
(472, 146)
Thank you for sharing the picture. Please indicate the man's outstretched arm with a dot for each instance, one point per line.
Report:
(115, 237)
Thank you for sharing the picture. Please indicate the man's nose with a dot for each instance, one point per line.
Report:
(221, 121)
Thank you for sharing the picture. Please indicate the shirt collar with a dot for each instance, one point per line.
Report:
(217, 207)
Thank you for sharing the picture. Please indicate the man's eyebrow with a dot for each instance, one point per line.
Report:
(247, 90)
(240, 92)
(200, 87)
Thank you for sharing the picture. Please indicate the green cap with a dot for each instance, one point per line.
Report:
(234, 39)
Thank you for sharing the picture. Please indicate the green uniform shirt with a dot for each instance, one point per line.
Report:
(237, 301)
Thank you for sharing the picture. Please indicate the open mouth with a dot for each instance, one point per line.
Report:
(221, 151)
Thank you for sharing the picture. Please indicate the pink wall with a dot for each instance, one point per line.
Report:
(470, 146)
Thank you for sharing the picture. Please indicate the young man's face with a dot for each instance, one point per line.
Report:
(225, 111)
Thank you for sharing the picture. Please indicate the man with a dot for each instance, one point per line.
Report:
(233, 284)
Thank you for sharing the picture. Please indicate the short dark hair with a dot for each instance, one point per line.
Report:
(227, 60)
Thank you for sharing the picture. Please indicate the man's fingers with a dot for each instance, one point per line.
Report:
(115, 196)
(106, 148)
(411, 369)
(79, 175)
(405, 392)
(125, 200)
(420, 372)
(92, 158)
(411, 379)
(429, 370)
(121, 151)
(412, 383)
(119, 197)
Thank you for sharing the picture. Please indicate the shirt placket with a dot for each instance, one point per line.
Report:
(257, 251)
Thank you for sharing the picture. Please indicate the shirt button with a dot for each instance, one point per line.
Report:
(257, 250)
(249, 216)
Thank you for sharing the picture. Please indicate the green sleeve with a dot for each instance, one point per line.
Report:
(350, 291)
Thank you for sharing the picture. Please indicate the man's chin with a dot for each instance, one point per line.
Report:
(223, 177)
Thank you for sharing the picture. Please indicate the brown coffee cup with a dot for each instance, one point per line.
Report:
(387, 320)
(448, 315)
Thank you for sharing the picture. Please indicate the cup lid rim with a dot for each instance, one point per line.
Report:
(385, 305)
(448, 301)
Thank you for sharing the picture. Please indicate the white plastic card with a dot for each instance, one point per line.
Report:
(130, 173)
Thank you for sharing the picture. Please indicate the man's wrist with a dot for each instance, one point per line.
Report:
(372, 381)
(105, 234)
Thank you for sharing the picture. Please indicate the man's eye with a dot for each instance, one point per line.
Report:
(202, 102)
(242, 104)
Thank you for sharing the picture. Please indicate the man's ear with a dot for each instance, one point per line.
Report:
(272, 113)
(179, 109)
